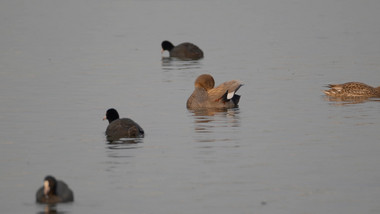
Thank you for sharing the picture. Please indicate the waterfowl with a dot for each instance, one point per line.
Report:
(121, 127)
(206, 96)
(54, 191)
(352, 89)
(184, 50)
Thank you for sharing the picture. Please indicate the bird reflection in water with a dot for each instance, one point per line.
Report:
(210, 120)
(122, 144)
(169, 64)
(50, 209)
(119, 153)
(341, 101)
(117, 141)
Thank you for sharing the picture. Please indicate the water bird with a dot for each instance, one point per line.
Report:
(206, 96)
(352, 89)
(121, 127)
(184, 50)
(54, 191)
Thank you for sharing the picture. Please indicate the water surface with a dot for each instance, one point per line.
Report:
(286, 149)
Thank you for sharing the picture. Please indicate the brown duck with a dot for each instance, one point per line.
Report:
(352, 89)
(184, 50)
(206, 96)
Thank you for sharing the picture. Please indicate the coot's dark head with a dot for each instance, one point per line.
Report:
(50, 185)
(111, 115)
(167, 46)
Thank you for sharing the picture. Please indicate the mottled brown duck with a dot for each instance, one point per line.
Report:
(352, 89)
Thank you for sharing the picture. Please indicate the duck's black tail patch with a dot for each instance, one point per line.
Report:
(235, 99)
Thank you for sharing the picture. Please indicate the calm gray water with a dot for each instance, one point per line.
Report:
(286, 149)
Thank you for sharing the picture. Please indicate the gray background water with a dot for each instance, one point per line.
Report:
(287, 149)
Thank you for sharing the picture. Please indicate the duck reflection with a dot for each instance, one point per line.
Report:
(122, 144)
(216, 125)
(214, 111)
(116, 149)
(120, 153)
(169, 64)
(118, 141)
(340, 101)
(50, 209)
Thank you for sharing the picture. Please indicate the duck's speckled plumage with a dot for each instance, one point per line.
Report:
(352, 89)
(206, 96)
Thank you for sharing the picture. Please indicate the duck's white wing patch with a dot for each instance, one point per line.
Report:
(230, 95)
